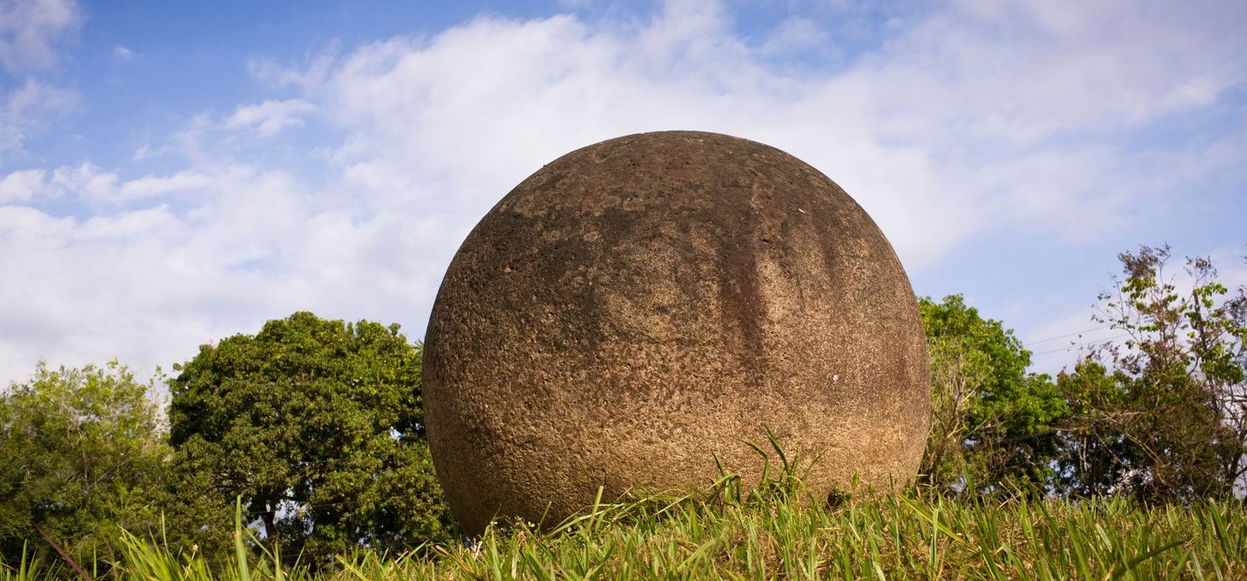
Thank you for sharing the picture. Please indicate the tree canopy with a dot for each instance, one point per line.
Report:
(1162, 415)
(82, 452)
(317, 426)
(991, 419)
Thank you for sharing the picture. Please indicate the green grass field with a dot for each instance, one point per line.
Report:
(769, 533)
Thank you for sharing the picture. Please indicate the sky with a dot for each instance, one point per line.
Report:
(173, 173)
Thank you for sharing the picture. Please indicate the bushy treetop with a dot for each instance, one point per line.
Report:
(317, 426)
(82, 452)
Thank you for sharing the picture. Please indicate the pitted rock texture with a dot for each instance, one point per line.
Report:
(642, 305)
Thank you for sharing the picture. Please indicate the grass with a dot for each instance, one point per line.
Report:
(773, 530)
(771, 533)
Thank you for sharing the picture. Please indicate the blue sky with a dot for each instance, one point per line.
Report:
(174, 172)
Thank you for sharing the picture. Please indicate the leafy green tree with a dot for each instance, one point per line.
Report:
(1163, 415)
(82, 452)
(317, 425)
(992, 421)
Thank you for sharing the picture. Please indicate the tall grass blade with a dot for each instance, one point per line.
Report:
(240, 547)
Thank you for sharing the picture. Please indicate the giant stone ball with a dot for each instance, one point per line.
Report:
(646, 305)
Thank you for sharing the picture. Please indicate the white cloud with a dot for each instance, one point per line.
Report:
(306, 76)
(795, 34)
(156, 186)
(26, 111)
(270, 117)
(126, 226)
(21, 186)
(946, 132)
(464, 116)
(30, 31)
(148, 283)
(85, 180)
(1024, 72)
(20, 222)
(124, 53)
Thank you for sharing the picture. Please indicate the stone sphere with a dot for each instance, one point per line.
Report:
(646, 305)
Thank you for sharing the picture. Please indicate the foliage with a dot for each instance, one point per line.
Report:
(81, 452)
(1162, 416)
(317, 426)
(991, 419)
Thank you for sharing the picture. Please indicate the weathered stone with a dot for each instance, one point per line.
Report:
(640, 306)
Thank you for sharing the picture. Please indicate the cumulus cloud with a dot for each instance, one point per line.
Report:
(30, 31)
(969, 120)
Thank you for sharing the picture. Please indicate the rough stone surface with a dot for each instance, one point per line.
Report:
(641, 305)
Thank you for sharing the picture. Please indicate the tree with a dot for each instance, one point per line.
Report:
(317, 426)
(1162, 415)
(991, 419)
(82, 452)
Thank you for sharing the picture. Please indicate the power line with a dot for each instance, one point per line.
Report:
(1102, 327)
(1073, 345)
